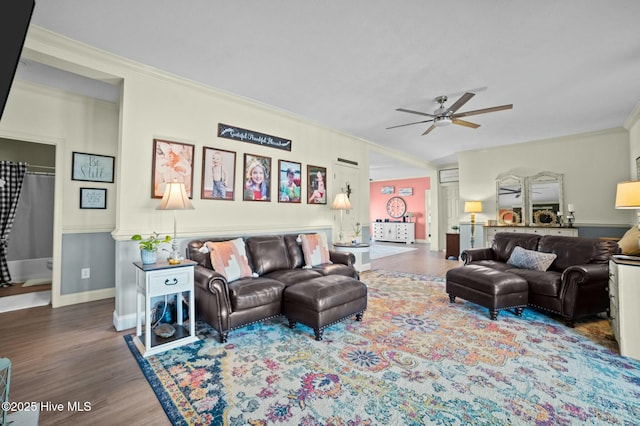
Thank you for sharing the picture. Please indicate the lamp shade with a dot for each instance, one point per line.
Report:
(473, 206)
(175, 198)
(628, 195)
(341, 202)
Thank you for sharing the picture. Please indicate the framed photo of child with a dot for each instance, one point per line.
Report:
(289, 181)
(257, 178)
(172, 161)
(218, 174)
(316, 185)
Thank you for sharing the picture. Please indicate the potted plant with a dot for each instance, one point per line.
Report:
(357, 229)
(455, 229)
(149, 246)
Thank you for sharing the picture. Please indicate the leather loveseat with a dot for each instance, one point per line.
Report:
(277, 262)
(575, 285)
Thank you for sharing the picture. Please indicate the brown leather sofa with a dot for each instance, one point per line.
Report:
(576, 283)
(278, 262)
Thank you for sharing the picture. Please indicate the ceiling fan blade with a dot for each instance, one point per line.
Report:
(414, 112)
(461, 101)
(483, 111)
(409, 124)
(433, 126)
(464, 123)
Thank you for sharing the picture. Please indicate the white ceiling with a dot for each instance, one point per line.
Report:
(567, 66)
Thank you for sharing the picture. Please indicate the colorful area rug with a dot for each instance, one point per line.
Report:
(415, 359)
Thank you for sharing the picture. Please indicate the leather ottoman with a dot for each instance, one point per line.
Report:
(323, 301)
(488, 287)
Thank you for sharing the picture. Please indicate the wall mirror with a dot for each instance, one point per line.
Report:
(545, 198)
(510, 200)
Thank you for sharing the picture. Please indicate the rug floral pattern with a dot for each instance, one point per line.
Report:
(415, 359)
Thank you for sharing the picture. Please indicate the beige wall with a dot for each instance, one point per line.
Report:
(592, 164)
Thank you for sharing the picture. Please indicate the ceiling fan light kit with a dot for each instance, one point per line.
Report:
(446, 116)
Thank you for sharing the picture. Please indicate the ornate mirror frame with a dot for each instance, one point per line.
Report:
(549, 185)
(511, 188)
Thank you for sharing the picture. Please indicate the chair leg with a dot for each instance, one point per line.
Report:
(318, 332)
(519, 311)
(359, 316)
(223, 337)
(452, 298)
(493, 313)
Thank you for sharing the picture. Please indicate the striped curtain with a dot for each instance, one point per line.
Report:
(11, 178)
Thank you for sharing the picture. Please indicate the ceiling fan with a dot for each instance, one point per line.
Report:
(444, 116)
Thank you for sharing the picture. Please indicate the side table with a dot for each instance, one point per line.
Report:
(360, 251)
(163, 279)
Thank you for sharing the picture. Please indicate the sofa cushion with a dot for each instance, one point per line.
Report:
(493, 264)
(629, 242)
(547, 283)
(296, 257)
(229, 259)
(505, 242)
(247, 293)
(293, 276)
(572, 251)
(315, 249)
(531, 259)
(268, 253)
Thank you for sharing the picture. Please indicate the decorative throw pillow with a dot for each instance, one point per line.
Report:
(629, 242)
(531, 259)
(229, 258)
(315, 249)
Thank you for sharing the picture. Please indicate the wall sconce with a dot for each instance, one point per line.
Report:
(473, 207)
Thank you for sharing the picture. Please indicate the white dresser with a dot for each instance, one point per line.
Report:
(624, 296)
(491, 231)
(394, 231)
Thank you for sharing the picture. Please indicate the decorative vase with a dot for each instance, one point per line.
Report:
(148, 256)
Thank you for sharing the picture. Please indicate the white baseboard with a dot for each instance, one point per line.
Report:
(124, 322)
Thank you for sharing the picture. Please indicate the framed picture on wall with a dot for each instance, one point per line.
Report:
(316, 185)
(92, 167)
(172, 161)
(387, 190)
(638, 168)
(289, 180)
(257, 178)
(218, 174)
(93, 198)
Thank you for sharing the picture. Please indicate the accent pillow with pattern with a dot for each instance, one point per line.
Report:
(229, 258)
(315, 249)
(531, 259)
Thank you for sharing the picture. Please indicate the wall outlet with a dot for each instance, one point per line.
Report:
(85, 273)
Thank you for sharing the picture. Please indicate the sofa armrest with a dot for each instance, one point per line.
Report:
(584, 289)
(212, 297)
(472, 255)
(342, 257)
(583, 274)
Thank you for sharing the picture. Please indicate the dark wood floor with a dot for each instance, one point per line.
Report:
(74, 354)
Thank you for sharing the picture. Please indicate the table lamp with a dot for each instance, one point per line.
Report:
(473, 207)
(175, 198)
(342, 203)
(628, 197)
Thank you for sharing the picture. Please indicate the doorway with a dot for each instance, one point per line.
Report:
(30, 243)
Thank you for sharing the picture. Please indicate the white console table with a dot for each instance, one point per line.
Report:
(491, 231)
(404, 232)
(624, 296)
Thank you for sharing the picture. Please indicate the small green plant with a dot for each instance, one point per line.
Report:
(455, 228)
(152, 242)
(357, 229)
